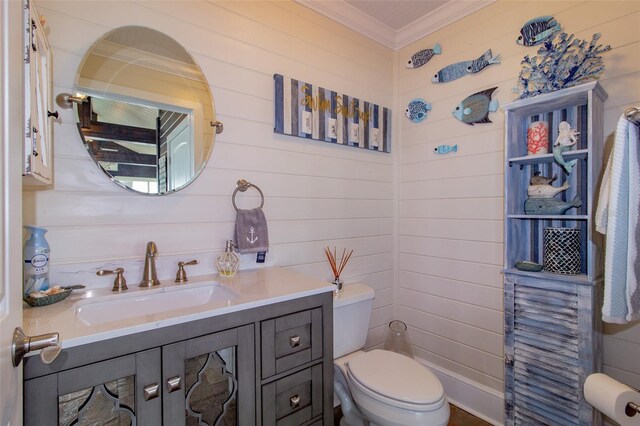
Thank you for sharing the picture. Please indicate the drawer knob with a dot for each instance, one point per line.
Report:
(294, 401)
(151, 391)
(173, 384)
(294, 341)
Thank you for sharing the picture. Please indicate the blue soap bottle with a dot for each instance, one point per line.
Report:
(36, 260)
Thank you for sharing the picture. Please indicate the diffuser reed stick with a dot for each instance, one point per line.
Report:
(337, 267)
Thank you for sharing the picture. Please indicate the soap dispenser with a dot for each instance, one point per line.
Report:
(228, 262)
(36, 260)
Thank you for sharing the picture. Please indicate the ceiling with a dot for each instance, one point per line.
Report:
(395, 23)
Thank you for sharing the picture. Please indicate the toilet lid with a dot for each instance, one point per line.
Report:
(391, 376)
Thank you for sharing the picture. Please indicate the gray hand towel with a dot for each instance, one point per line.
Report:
(251, 232)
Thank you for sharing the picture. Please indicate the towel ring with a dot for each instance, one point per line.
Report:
(242, 185)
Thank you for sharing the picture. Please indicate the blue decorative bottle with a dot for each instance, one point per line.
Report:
(36, 260)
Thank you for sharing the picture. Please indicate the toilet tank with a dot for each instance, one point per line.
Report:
(351, 312)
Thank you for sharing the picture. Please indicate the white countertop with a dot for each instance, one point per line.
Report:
(251, 289)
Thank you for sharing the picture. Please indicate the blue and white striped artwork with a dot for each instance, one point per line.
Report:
(313, 112)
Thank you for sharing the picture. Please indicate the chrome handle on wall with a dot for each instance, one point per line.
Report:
(151, 391)
(174, 383)
(294, 401)
(294, 341)
(23, 344)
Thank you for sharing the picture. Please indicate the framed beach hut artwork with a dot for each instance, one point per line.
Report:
(313, 112)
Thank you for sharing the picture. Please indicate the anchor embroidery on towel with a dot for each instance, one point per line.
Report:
(252, 232)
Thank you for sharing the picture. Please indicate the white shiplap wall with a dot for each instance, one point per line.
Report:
(450, 206)
(316, 194)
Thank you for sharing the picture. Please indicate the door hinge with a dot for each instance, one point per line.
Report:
(508, 359)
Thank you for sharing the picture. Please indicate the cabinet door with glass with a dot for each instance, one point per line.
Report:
(38, 143)
(120, 391)
(210, 380)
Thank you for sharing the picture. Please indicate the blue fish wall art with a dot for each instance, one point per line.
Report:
(445, 149)
(475, 108)
(417, 110)
(538, 30)
(460, 69)
(420, 58)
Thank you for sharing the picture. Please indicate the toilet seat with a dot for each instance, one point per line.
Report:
(396, 380)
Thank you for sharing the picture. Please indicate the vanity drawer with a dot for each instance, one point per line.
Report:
(290, 341)
(294, 399)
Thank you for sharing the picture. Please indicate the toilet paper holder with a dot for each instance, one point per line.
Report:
(632, 408)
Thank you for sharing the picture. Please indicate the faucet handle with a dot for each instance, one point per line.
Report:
(119, 283)
(181, 275)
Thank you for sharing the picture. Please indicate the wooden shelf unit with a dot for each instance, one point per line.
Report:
(552, 324)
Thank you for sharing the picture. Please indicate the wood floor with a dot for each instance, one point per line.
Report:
(458, 417)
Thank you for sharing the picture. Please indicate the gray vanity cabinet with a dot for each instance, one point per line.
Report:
(189, 382)
(211, 378)
(110, 391)
(262, 366)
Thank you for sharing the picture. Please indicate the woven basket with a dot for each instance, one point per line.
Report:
(562, 250)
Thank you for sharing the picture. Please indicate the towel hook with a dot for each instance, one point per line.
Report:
(242, 185)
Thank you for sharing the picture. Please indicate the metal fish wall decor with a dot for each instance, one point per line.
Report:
(460, 69)
(420, 58)
(538, 30)
(417, 110)
(475, 108)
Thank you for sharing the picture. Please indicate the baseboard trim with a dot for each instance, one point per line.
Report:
(475, 398)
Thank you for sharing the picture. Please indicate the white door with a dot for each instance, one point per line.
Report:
(11, 118)
(180, 149)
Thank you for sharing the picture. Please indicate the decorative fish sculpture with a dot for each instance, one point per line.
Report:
(537, 179)
(460, 69)
(476, 108)
(567, 137)
(417, 110)
(445, 149)
(538, 30)
(420, 58)
(540, 206)
(545, 190)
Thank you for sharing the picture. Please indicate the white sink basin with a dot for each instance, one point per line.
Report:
(153, 301)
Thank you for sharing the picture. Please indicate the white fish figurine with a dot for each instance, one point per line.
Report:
(567, 137)
(545, 190)
(420, 58)
(460, 69)
(445, 149)
(538, 179)
(417, 110)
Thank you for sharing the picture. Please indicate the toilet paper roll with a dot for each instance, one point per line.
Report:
(611, 398)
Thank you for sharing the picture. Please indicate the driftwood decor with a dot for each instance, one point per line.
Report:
(313, 112)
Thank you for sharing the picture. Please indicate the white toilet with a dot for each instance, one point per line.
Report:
(383, 387)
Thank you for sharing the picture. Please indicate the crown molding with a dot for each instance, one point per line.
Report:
(353, 18)
(372, 28)
(446, 14)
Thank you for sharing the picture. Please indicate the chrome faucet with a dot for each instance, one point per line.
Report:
(149, 277)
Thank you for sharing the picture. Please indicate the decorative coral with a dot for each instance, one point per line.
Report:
(565, 63)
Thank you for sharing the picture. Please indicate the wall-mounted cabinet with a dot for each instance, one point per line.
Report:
(552, 325)
(37, 167)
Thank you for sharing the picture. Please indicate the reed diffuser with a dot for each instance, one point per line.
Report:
(337, 267)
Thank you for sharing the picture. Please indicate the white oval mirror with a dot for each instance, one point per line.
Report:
(146, 113)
